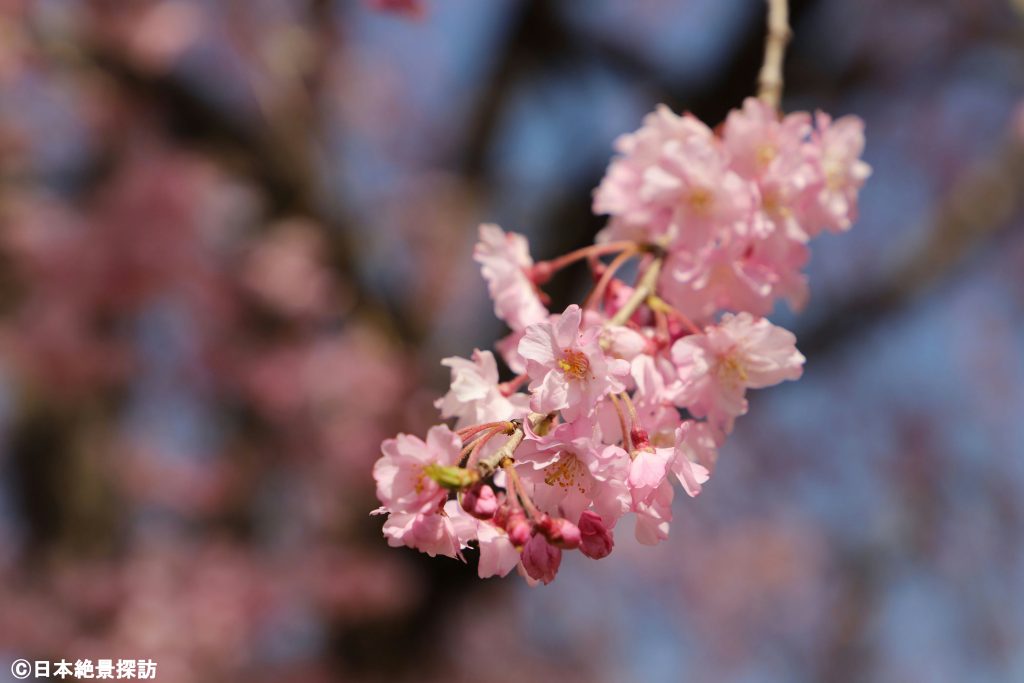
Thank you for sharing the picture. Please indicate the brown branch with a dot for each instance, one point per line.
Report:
(769, 81)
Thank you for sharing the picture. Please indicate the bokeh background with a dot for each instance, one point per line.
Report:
(235, 242)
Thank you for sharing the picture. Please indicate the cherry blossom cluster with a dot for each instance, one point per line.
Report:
(614, 400)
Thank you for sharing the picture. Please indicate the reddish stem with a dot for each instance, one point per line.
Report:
(512, 386)
(597, 293)
(516, 485)
(468, 432)
(474, 454)
(593, 250)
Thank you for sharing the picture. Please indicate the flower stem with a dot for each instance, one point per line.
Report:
(516, 484)
(658, 304)
(627, 442)
(479, 444)
(487, 466)
(512, 386)
(597, 293)
(584, 252)
(467, 433)
(644, 288)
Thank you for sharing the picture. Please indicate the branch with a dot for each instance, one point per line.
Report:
(769, 80)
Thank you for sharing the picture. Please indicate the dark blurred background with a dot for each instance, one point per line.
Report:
(235, 242)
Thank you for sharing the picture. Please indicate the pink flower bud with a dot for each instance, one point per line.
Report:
(560, 531)
(641, 441)
(541, 559)
(501, 515)
(517, 526)
(480, 501)
(596, 538)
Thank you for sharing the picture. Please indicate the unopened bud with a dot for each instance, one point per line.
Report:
(517, 527)
(596, 539)
(641, 441)
(480, 501)
(560, 531)
(541, 559)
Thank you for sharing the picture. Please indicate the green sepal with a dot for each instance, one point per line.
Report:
(451, 477)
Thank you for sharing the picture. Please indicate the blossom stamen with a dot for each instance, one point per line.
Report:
(574, 363)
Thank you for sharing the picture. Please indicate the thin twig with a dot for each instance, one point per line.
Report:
(488, 465)
(644, 288)
(769, 81)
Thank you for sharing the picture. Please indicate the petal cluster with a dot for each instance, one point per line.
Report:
(614, 404)
(735, 211)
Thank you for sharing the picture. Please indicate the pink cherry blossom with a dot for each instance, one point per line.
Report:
(571, 471)
(696, 452)
(430, 532)
(403, 483)
(648, 471)
(498, 555)
(694, 178)
(717, 368)
(837, 148)
(567, 368)
(475, 396)
(505, 260)
(654, 514)
(625, 191)
(722, 224)
(657, 384)
(759, 142)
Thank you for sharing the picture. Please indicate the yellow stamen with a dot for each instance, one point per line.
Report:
(700, 200)
(730, 370)
(765, 154)
(574, 363)
(565, 472)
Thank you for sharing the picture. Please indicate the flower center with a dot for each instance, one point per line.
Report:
(765, 154)
(565, 472)
(833, 169)
(700, 200)
(731, 371)
(574, 363)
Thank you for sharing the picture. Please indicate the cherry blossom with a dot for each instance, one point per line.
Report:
(615, 402)
(475, 396)
(568, 369)
(717, 367)
(505, 261)
(837, 150)
(403, 476)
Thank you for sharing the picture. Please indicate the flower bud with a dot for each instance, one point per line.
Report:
(541, 559)
(480, 501)
(560, 531)
(517, 526)
(596, 539)
(639, 437)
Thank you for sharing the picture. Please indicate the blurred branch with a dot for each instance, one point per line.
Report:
(981, 204)
(769, 81)
(274, 153)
